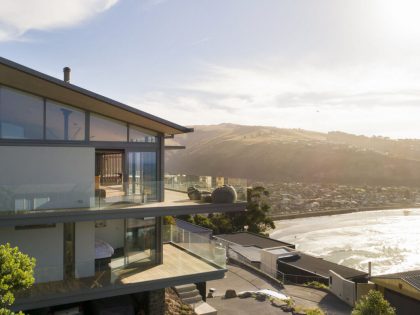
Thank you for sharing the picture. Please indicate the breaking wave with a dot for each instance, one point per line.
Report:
(390, 239)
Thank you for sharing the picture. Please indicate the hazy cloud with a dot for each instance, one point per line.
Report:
(20, 16)
(348, 98)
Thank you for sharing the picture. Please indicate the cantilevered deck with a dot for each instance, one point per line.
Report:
(175, 203)
(179, 267)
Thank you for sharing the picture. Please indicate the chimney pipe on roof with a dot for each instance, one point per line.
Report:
(66, 71)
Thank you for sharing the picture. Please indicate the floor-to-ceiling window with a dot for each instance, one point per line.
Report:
(142, 175)
(140, 243)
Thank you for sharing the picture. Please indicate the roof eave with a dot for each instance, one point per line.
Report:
(176, 129)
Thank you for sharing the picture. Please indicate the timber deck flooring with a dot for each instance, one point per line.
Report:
(176, 262)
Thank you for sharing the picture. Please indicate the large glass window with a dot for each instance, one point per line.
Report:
(137, 134)
(21, 115)
(64, 122)
(140, 246)
(107, 129)
(142, 175)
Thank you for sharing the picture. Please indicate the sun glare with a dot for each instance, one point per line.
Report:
(400, 18)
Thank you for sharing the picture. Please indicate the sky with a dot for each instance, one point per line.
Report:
(324, 65)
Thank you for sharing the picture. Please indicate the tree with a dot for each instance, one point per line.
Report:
(203, 221)
(16, 273)
(167, 220)
(222, 223)
(256, 217)
(373, 303)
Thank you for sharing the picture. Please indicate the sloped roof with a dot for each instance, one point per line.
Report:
(321, 266)
(251, 253)
(18, 76)
(411, 277)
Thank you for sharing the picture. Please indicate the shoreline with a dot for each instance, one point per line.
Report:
(339, 211)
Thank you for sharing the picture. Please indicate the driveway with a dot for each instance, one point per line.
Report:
(243, 280)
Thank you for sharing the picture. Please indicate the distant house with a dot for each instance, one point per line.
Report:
(402, 290)
(82, 191)
(281, 260)
(250, 239)
(249, 248)
(300, 268)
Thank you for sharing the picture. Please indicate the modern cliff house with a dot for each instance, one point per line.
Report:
(81, 190)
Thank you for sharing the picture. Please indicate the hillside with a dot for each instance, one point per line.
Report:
(275, 154)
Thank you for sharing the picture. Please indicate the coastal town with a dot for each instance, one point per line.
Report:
(209, 157)
(306, 198)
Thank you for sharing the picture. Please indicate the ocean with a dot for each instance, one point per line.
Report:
(390, 239)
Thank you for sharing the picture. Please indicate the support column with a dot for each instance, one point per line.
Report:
(159, 240)
(156, 302)
(202, 288)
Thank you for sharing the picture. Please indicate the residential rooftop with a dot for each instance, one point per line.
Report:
(411, 277)
(320, 267)
(251, 239)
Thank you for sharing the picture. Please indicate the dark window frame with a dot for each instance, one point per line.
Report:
(86, 141)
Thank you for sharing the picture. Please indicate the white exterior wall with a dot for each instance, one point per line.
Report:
(344, 289)
(84, 249)
(112, 233)
(46, 177)
(44, 244)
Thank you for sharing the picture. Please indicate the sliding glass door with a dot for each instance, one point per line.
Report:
(142, 176)
(140, 241)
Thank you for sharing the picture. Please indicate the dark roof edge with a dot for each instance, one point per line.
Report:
(195, 225)
(257, 235)
(43, 76)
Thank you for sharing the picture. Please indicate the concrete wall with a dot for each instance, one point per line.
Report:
(269, 263)
(112, 233)
(344, 289)
(44, 244)
(85, 249)
(46, 177)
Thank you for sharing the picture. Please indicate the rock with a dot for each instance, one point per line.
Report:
(261, 297)
(287, 308)
(224, 194)
(245, 295)
(230, 294)
(278, 303)
(206, 196)
(193, 193)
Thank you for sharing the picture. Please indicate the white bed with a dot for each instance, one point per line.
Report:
(103, 250)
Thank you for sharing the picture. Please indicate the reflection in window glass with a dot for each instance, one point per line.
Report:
(140, 241)
(21, 115)
(137, 134)
(142, 175)
(64, 122)
(106, 129)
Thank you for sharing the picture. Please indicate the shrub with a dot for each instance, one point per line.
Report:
(316, 284)
(373, 303)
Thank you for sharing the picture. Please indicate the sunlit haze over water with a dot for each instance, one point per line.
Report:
(387, 238)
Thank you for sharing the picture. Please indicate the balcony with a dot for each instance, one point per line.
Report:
(52, 203)
(180, 266)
